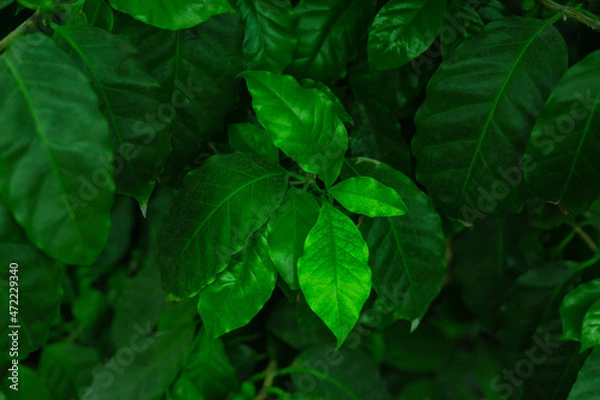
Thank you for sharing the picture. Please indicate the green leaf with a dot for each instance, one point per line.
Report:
(368, 196)
(207, 370)
(56, 166)
(196, 69)
(301, 122)
(126, 92)
(287, 232)
(479, 110)
(154, 363)
(565, 140)
(99, 14)
(590, 331)
(339, 107)
(338, 375)
(217, 209)
(403, 30)
(270, 36)
(408, 252)
(172, 14)
(241, 290)
(574, 307)
(333, 272)
(461, 22)
(137, 306)
(5, 3)
(587, 386)
(38, 279)
(66, 367)
(329, 32)
(253, 138)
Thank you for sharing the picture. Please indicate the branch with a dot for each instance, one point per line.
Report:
(30, 25)
(585, 237)
(270, 374)
(585, 17)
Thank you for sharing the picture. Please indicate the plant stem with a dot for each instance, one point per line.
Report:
(582, 16)
(585, 237)
(270, 374)
(29, 25)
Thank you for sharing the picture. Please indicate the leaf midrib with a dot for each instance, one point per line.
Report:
(494, 106)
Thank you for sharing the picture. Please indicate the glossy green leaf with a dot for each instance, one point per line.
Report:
(301, 122)
(241, 290)
(479, 110)
(339, 107)
(99, 13)
(329, 32)
(196, 69)
(407, 253)
(126, 94)
(587, 386)
(37, 281)
(403, 30)
(154, 362)
(574, 307)
(344, 374)
(368, 196)
(217, 209)
(66, 367)
(590, 331)
(565, 140)
(270, 37)
(172, 14)
(56, 164)
(207, 371)
(287, 232)
(253, 138)
(333, 272)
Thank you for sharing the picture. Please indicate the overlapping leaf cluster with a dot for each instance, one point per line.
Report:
(334, 199)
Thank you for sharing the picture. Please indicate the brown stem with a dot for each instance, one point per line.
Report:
(585, 237)
(29, 25)
(270, 374)
(572, 12)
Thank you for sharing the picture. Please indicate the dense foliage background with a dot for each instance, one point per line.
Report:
(314, 199)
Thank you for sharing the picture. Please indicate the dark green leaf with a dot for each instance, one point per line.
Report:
(126, 94)
(329, 32)
(565, 140)
(172, 14)
(480, 107)
(39, 293)
(408, 252)
(402, 30)
(99, 14)
(56, 165)
(241, 290)
(30, 386)
(253, 138)
(590, 331)
(333, 272)
(287, 231)
(270, 36)
(217, 209)
(146, 368)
